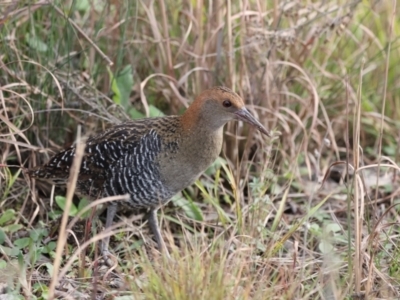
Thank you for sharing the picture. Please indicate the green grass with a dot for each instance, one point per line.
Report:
(268, 220)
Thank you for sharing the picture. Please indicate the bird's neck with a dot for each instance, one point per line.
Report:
(199, 146)
(196, 121)
(202, 134)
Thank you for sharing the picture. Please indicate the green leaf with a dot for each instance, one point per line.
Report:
(189, 207)
(49, 268)
(37, 234)
(82, 204)
(325, 247)
(61, 202)
(13, 228)
(12, 178)
(135, 114)
(315, 229)
(216, 165)
(82, 5)
(22, 243)
(390, 150)
(155, 112)
(332, 227)
(114, 88)
(3, 264)
(35, 43)
(9, 251)
(34, 253)
(7, 216)
(2, 237)
(125, 84)
(55, 214)
(122, 85)
(49, 247)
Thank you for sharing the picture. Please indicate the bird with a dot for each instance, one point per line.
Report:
(151, 159)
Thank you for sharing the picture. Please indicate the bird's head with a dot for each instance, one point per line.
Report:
(219, 105)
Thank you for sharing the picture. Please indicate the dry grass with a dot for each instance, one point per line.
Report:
(312, 214)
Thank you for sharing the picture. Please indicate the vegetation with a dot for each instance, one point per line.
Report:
(311, 214)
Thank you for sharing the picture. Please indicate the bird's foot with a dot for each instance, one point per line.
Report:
(109, 259)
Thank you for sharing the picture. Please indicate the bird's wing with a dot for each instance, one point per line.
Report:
(101, 151)
(138, 173)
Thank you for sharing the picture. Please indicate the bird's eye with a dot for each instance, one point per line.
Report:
(227, 103)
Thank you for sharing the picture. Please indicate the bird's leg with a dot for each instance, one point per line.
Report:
(111, 211)
(155, 229)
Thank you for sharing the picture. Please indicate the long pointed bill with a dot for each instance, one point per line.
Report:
(247, 117)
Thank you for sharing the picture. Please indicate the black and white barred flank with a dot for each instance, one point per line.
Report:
(121, 160)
